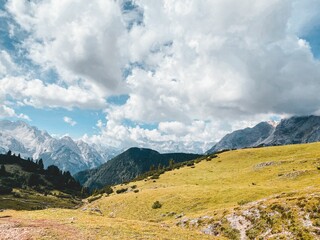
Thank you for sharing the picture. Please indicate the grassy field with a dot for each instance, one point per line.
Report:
(216, 190)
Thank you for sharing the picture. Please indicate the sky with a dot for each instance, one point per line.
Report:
(173, 75)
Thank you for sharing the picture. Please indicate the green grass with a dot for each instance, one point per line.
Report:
(214, 188)
(232, 178)
(21, 199)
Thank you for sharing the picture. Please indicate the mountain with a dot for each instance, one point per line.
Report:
(129, 165)
(297, 129)
(248, 137)
(30, 142)
(294, 130)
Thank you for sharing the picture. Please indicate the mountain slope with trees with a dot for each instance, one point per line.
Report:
(25, 181)
(128, 165)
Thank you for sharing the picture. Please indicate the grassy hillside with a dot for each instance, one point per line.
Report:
(128, 165)
(25, 184)
(262, 193)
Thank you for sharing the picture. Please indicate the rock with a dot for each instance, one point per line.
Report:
(305, 129)
(179, 215)
(96, 210)
(248, 137)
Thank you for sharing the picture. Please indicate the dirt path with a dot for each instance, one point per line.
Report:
(19, 229)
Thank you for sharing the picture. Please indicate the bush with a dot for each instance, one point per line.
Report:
(189, 164)
(5, 189)
(243, 202)
(107, 189)
(122, 190)
(94, 198)
(155, 176)
(156, 205)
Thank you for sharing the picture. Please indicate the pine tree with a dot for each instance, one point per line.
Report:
(40, 163)
(171, 163)
(2, 170)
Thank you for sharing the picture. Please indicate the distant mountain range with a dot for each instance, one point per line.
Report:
(128, 165)
(78, 156)
(293, 130)
(67, 154)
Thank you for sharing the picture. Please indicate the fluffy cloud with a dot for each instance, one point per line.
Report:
(6, 111)
(217, 61)
(76, 38)
(197, 68)
(38, 94)
(226, 59)
(7, 66)
(70, 121)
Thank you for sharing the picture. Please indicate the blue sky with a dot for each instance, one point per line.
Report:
(152, 73)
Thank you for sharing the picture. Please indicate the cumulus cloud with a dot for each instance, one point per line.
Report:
(78, 39)
(6, 111)
(70, 121)
(38, 94)
(7, 65)
(195, 69)
(216, 61)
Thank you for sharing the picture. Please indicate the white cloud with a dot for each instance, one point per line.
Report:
(7, 65)
(6, 111)
(38, 94)
(203, 67)
(236, 62)
(70, 121)
(77, 38)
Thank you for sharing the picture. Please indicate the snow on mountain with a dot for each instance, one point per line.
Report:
(29, 141)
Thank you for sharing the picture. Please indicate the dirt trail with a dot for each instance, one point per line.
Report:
(19, 229)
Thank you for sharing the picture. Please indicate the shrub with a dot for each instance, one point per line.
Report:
(121, 190)
(155, 176)
(94, 198)
(156, 205)
(107, 189)
(189, 164)
(243, 202)
(5, 189)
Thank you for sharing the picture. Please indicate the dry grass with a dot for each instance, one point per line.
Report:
(212, 187)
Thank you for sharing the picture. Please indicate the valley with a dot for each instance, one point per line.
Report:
(241, 194)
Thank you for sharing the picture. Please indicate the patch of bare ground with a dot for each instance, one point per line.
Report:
(18, 229)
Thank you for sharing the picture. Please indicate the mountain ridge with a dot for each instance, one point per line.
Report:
(293, 130)
(30, 142)
(128, 165)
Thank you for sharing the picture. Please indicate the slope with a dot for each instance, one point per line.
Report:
(248, 137)
(129, 165)
(268, 193)
(27, 185)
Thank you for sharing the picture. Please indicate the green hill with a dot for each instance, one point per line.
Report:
(129, 165)
(25, 184)
(261, 193)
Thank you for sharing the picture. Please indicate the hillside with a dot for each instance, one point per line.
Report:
(128, 165)
(261, 193)
(25, 184)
